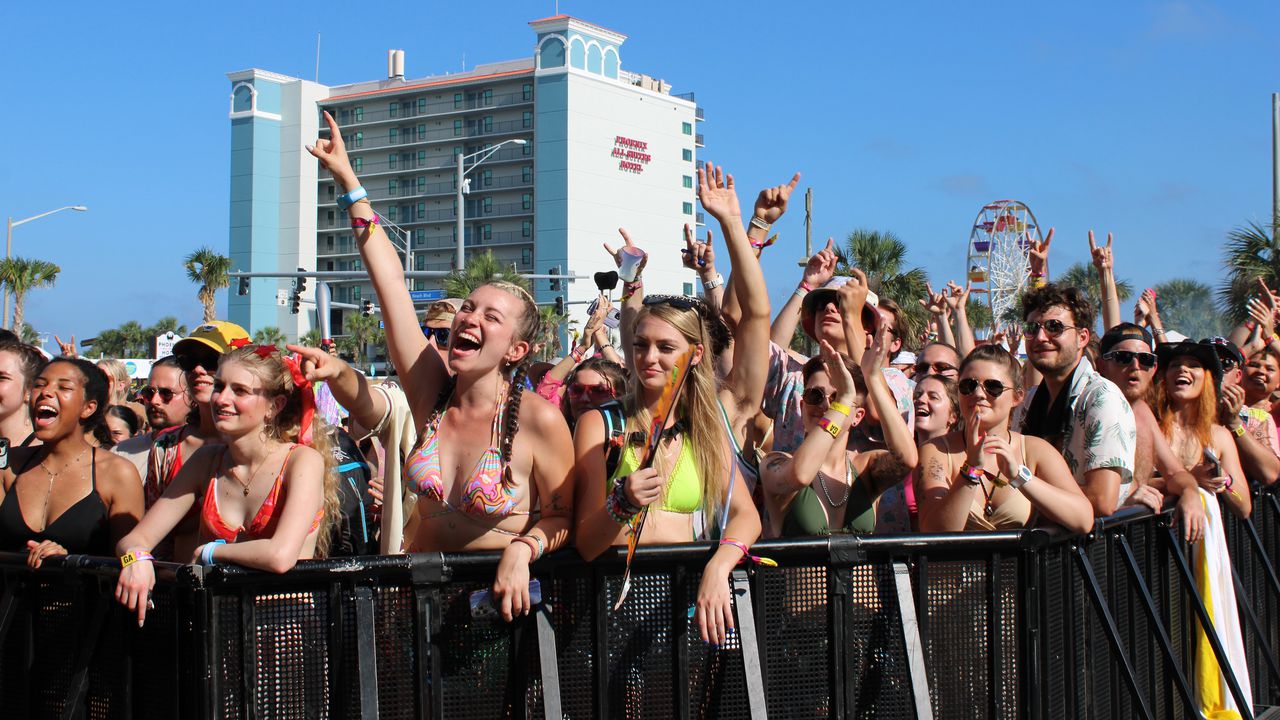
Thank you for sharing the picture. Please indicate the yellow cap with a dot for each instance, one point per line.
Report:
(217, 335)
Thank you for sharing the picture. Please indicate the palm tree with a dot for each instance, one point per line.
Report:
(361, 331)
(1186, 305)
(1250, 252)
(135, 339)
(22, 275)
(479, 270)
(882, 256)
(269, 335)
(166, 324)
(29, 335)
(548, 344)
(311, 338)
(110, 343)
(209, 269)
(1084, 277)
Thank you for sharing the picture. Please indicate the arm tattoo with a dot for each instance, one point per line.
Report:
(555, 508)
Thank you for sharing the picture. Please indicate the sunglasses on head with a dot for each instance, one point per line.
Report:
(441, 335)
(679, 302)
(993, 388)
(817, 396)
(1124, 357)
(937, 368)
(599, 390)
(166, 394)
(1052, 328)
(190, 361)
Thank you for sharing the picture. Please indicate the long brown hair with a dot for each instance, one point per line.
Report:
(699, 406)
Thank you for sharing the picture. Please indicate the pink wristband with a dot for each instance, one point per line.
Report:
(746, 553)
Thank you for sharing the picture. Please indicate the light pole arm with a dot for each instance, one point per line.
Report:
(16, 223)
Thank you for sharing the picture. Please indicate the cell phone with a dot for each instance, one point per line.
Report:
(591, 309)
(4, 453)
(606, 281)
(613, 318)
(482, 601)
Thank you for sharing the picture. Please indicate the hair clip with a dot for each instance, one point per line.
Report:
(239, 343)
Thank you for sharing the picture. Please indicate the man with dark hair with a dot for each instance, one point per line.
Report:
(167, 403)
(938, 358)
(1077, 410)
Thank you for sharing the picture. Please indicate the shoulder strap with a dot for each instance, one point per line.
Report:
(615, 423)
(93, 469)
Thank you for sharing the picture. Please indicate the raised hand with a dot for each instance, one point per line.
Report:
(877, 355)
(853, 294)
(66, 349)
(1152, 309)
(957, 297)
(973, 437)
(771, 203)
(935, 303)
(717, 195)
(317, 365)
(1013, 333)
(821, 266)
(1142, 310)
(841, 378)
(332, 152)
(1038, 254)
(628, 246)
(699, 257)
(1101, 255)
(1263, 315)
(1006, 459)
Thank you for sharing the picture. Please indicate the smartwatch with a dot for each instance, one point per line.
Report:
(1024, 476)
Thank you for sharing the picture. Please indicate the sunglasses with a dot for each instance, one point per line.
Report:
(679, 302)
(189, 362)
(817, 396)
(938, 368)
(441, 335)
(599, 390)
(1124, 357)
(993, 388)
(1052, 328)
(166, 394)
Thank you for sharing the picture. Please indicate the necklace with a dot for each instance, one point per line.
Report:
(244, 486)
(848, 488)
(44, 512)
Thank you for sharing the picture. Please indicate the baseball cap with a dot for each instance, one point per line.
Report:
(819, 298)
(217, 335)
(1124, 331)
(1227, 350)
(442, 310)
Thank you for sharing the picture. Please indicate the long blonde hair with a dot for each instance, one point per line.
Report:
(699, 407)
(286, 425)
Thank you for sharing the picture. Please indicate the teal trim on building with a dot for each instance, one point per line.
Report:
(254, 238)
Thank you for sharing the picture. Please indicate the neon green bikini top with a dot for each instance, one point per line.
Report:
(684, 488)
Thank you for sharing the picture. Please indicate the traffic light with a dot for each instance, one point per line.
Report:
(295, 302)
(555, 282)
(366, 308)
(302, 282)
(244, 286)
(559, 304)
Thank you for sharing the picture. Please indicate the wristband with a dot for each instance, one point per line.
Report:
(577, 354)
(348, 199)
(830, 428)
(1228, 485)
(840, 408)
(1038, 274)
(746, 553)
(972, 473)
(535, 545)
(763, 243)
(134, 556)
(805, 287)
(1238, 430)
(713, 283)
(206, 552)
(631, 288)
(757, 222)
(358, 223)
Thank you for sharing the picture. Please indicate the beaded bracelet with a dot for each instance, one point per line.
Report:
(746, 553)
(620, 508)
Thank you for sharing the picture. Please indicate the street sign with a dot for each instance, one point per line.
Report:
(282, 298)
(426, 295)
(165, 343)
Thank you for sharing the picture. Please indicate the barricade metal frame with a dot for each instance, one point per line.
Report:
(1029, 624)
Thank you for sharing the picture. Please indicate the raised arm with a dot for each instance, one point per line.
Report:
(853, 297)
(771, 204)
(421, 372)
(746, 379)
(632, 292)
(1258, 460)
(957, 299)
(1105, 263)
(350, 388)
(902, 456)
(817, 272)
(939, 315)
(700, 257)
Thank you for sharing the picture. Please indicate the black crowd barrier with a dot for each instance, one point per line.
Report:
(1028, 624)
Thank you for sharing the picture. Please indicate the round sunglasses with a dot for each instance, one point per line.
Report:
(993, 388)
(1052, 328)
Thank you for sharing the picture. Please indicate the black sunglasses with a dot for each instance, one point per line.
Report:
(938, 368)
(166, 394)
(190, 361)
(440, 334)
(1124, 357)
(1053, 328)
(679, 302)
(817, 396)
(994, 388)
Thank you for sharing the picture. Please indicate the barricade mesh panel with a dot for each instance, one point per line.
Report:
(292, 655)
(796, 641)
(957, 651)
(108, 668)
(573, 608)
(1010, 620)
(717, 686)
(347, 656)
(393, 611)
(1056, 617)
(475, 657)
(875, 646)
(13, 685)
(157, 662)
(640, 648)
(1146, 653)
(57, 627)
(1119, 600)
(1101, 661)
(229, 659)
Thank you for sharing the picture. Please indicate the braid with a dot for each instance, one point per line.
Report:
(511, 419)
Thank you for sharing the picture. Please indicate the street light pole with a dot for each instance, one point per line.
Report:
(460, 256)
(8, 247)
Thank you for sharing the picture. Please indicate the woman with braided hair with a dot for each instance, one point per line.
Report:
(473, 466)
(266, 496)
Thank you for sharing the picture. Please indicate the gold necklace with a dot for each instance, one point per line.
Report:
(44, 512)
(244, 486)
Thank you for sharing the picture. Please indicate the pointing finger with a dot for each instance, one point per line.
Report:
(795, 179)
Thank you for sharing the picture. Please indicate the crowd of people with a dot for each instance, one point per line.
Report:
(704, 420)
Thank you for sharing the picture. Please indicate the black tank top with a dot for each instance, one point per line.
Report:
(82, 528)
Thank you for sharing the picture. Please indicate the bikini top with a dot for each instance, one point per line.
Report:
(684, 488)
(1013, 511)
(81, 528)
(264, 521)
(483, 493)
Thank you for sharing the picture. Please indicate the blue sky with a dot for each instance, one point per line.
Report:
(1148, 119)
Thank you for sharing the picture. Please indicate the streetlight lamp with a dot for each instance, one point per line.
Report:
(460, 259)
(8, 247)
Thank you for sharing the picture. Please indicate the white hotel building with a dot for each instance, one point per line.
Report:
(605, 148)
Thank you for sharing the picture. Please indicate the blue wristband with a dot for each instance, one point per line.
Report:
(346, 200)
(206, 554)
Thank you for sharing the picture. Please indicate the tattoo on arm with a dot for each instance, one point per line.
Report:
(555, 507)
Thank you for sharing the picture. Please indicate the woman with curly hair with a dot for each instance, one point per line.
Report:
(266, 496)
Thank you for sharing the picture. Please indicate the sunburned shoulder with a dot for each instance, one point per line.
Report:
(537, 411)
(304, 457)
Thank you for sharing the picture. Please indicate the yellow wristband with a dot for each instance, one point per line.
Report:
(840, 408)
(832, 429)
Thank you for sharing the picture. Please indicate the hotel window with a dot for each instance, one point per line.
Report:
(488, 123)
(329, 217)
(688, 181)
(393, 135)
(688, 208)
(394, 111)
(391, 161)
(359, 114)
(457, 101)
(357, 164)
(419, 237)
(457, 128)
(526, 201)
(422, 184)
(391, 213)
(488, 204)
(422, 158)
(527, 148)
(422, 211)
(359, 140)
(528, 119)
(528, 92)
(526, 256)
(686, 155)
(686, 128)
(486, 230)
(488, 97)
(422, 133)
(422, 106)
(526, 174)
(487, 177)
(526, 228)
(688, 289)
(393, 186)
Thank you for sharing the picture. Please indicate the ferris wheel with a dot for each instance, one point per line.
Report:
(998, 253)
